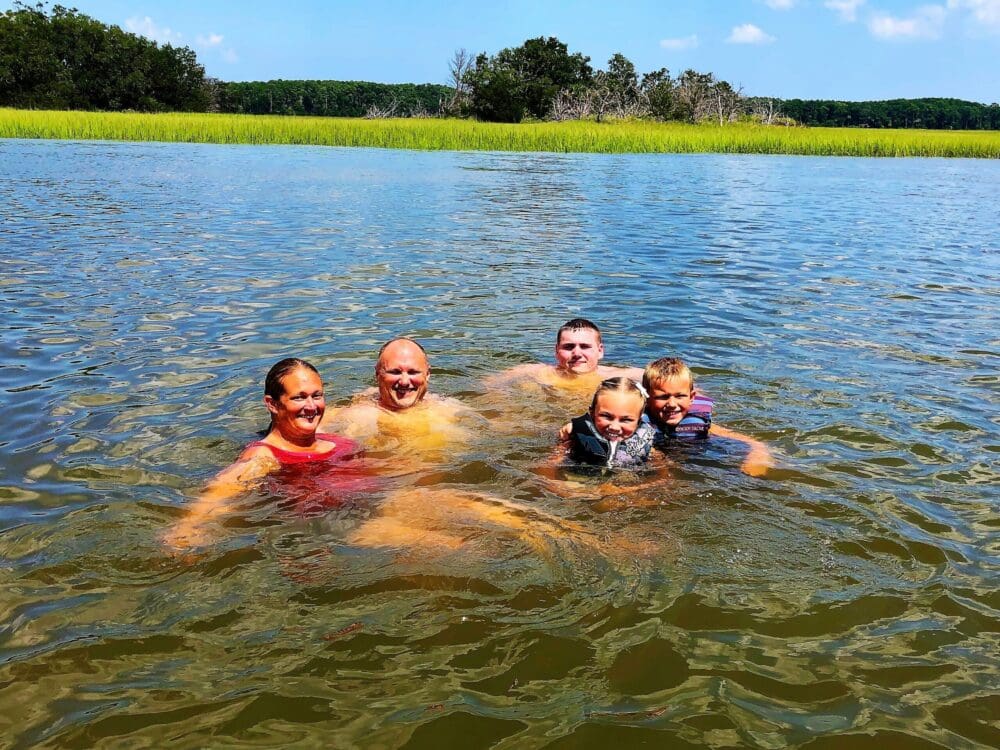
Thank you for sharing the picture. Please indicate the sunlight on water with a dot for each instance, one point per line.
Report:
(843, 310)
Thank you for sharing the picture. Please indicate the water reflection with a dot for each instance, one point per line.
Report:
(841, 309)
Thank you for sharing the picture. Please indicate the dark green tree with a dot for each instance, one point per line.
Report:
(63, 59)
(525, 80)
(615, 91)
(621, 76)
(692, 95)
(496, 91)
(659, 90)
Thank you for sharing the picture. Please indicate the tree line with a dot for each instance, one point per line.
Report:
(935, 114)
(329, 98)
(543, 80)
(63, 59)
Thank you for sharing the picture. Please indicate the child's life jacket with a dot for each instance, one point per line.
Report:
(696, 422)
(588, 446)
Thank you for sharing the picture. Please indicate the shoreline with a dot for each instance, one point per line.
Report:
(432, 134)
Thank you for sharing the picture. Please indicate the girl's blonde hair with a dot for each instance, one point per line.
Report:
(619, 385)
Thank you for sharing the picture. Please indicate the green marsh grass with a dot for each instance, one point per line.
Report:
(466, 135)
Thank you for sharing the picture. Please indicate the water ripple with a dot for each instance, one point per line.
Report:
(841, 309)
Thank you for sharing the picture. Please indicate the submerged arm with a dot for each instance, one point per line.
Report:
(549, 470)
(758, 460)
(442, 517)
(509, 376)
(191, 531)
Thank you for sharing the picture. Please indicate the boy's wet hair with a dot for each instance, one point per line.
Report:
(272, 383)
(578, 324)
(620, 384)
(666, 368)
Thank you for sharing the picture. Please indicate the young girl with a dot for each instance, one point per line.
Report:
(614, 433)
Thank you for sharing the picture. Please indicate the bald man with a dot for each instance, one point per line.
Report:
(399, 409)
(408, 430)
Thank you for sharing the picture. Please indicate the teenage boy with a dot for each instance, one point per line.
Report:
(578, 353)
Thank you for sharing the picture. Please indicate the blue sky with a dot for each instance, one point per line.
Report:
(838, 49)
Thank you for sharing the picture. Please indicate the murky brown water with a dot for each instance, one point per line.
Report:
(844, 310)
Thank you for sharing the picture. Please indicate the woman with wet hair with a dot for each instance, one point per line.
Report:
(293, 396)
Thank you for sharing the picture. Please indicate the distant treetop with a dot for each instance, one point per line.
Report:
(63, 59)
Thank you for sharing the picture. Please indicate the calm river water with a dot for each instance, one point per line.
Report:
(843, 310)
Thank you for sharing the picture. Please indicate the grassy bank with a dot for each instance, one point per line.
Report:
(431, 134)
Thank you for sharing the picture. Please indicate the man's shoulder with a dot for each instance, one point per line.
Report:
(529, 367)
(527, 370)
(361, 411)
(547, 373)
(361, 403)
(367, 397)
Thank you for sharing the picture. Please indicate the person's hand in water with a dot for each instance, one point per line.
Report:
(758, 459)
(565, 431)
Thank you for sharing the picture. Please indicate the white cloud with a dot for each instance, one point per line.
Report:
(679, 43)
(748, 34)
(780, 4)
(925, 23)
(211, 45)
(204, 43)
(146, 27)
(212, 40)
(847, 9)
(986, 12)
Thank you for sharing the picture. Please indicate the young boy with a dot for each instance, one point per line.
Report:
(677, 410)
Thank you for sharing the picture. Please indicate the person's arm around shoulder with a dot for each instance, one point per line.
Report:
(758, 460)
(254, 463)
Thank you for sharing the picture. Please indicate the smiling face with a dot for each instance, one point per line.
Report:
(297, 412)
(616, 414)
(670, 399)
(579, 352)
(402, 373)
